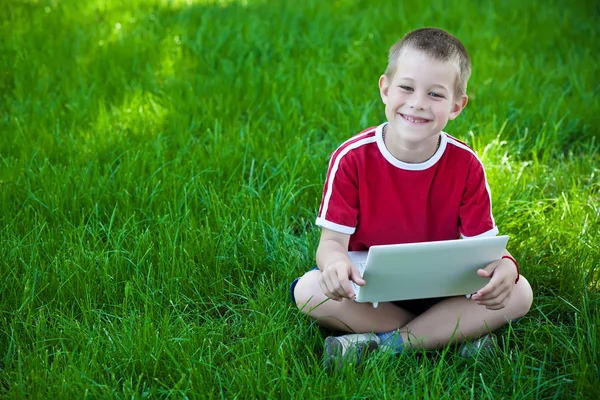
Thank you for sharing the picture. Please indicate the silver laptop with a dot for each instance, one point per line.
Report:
(422, 270)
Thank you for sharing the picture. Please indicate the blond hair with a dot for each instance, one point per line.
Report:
(439, 45)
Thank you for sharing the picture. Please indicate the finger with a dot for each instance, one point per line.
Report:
(490, 303)
(328, 287)
(494, 293)
(490, 287)
(499, 306)
(491, 298)
(334, 291)
(324, 287)
(484, 273)
(488, 270)
(499, 300)
(506, 300)
(355, 276)
(348, 282)
(343, 284)
(336, 285)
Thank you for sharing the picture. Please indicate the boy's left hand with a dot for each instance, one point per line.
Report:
(495, 295)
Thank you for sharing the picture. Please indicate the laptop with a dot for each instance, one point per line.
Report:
(422, 270)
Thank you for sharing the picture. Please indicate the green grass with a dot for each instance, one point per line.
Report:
(161, 165)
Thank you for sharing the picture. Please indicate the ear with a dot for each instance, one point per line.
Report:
(458, 105)
(384, 85)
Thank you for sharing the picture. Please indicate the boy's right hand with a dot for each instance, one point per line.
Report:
(335, 280)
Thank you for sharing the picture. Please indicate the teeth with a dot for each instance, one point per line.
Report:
(416, 120)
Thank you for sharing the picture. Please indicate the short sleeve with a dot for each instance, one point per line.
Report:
(475, 214)
(340, 202)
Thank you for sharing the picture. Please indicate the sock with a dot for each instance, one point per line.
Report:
(391, 340)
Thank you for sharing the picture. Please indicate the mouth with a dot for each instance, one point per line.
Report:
(414, 120)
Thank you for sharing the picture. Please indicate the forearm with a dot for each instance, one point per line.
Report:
(330, 252)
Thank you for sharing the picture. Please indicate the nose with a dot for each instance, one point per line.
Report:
(417, 101)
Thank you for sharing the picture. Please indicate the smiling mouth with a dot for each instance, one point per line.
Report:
(414, 120)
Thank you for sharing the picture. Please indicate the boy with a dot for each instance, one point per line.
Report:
(408, 181)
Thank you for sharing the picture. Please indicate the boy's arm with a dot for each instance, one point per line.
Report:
(476, 220)
(333, 247)
(337, 269)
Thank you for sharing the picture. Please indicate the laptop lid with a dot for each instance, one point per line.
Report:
(428, 269)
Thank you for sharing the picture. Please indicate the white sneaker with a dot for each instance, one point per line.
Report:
(349, 348)
(483, 345)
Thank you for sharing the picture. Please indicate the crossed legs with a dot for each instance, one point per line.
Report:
(449, 321)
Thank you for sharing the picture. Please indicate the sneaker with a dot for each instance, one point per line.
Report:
(483, 345)
(348, 348)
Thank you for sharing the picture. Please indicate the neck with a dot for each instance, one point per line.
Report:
(411, 152)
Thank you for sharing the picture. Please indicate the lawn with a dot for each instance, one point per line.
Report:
(161, 167)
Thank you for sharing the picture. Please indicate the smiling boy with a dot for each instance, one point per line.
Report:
(407, 181)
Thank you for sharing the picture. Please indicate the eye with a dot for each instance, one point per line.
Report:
(433, 94)
(408, 88)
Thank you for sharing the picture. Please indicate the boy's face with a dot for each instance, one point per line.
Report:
(420, 98)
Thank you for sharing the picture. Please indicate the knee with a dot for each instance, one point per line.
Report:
(523, 297)
(307, 293)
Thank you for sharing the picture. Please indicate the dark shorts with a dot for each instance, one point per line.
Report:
(416, 306)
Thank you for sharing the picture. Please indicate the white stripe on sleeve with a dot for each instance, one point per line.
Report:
(334, 170)
(487, 186)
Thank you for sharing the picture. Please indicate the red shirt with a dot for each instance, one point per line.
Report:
(377, 199)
